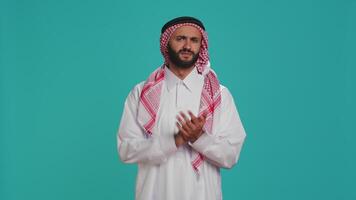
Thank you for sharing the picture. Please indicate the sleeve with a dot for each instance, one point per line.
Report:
(222, 147)
(133, 144)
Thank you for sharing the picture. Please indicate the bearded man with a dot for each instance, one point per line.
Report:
(180, 125)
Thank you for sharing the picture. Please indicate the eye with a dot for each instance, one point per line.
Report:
(195, 40)
(180, 38)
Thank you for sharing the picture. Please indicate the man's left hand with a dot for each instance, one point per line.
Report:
(190, 129)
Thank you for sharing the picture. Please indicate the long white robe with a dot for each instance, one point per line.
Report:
(165, 171)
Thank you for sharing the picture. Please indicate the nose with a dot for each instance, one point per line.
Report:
(187, 45)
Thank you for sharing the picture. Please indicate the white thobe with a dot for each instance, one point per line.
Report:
(165, 172)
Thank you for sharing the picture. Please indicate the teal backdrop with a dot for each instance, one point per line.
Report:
(67, 67)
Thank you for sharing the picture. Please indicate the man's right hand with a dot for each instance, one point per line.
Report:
(190, 129)
(179, 140)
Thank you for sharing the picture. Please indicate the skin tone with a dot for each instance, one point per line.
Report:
(189, 129)
(185, 41)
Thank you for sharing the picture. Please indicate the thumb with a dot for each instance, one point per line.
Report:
(202, 118)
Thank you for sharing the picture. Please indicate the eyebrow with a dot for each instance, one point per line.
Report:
(184, 37)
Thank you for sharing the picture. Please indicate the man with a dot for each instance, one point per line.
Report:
(180, 125)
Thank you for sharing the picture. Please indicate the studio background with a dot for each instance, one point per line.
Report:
(66, 68)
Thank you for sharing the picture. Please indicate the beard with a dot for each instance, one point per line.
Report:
(174, 58)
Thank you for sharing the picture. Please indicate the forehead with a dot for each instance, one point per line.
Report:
(189, 31)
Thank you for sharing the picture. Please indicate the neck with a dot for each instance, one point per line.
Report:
(181, 73)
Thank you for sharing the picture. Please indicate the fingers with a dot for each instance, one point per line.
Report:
(202, 120)
(193, 118)
(184, 134)
(183, 125)
(180, 120)
(190, 128)
(184, 116)
(185, 121)
(203, 116)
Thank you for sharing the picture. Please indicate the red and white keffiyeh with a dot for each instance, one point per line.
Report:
(151, 92)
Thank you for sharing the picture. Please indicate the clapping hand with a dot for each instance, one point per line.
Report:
(190, 129)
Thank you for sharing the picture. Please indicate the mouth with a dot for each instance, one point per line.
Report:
(186, 54)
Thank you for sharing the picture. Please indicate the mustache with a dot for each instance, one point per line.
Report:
(185, 51)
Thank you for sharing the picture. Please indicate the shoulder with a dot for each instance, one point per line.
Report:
(135, 92)
(226, 96)
(224, 91)
(138, 87)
